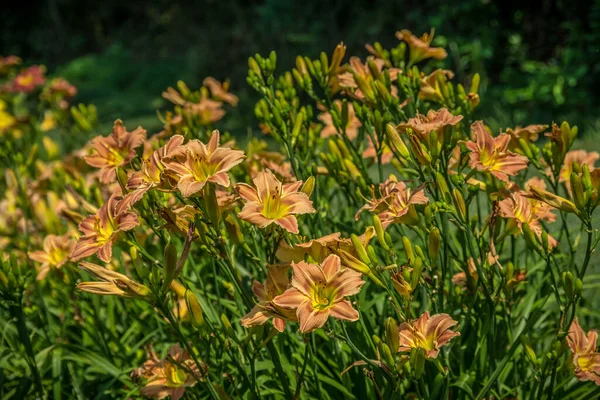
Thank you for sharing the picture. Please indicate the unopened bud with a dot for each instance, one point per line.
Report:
(194, 309)
(435, 240)
(308, 186)
(392, 336)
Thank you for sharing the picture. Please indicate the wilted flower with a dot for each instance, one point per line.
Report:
(219, 91)
(171, 375)
(428, 333)
(586, 359)
(436, 121)
(351, 128)
(576, 156)
(273, 202)
(520, 210)
(277, 282)
(396, 203)
(28, 79)
(55, 253)
(111, 282)
(420, 48)
(430, 85)
(113, 151)
(204, 163)
(491, 154)
(319, 291)
(101, 230)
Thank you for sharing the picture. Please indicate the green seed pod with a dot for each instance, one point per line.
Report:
(578, 287)
(568, 284)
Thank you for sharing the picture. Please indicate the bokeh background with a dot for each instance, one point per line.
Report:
(539, 60)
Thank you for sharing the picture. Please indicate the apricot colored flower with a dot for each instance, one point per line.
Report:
(171, 375)
(530, 133)
(329, 128)
(428, 333)
(276, 284)
(101, 230)
(111, 282)
(586, 359)
(62, 87)
(396, 203)
(357, 79)
(113, 151)
(55, 253)
(576, 156)
(271, 160)
(6, 63)
(422, 125)
(420, 48)
(430, 85)
(153, 173)
(319, 291)
(28, 79)
(491, 154)
(204, 163)
(519, 209)
(220, 91)
(270, 201)
(387, 155)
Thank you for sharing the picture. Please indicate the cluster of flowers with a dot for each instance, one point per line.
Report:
(280, 216)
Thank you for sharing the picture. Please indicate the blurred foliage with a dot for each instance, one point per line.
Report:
(541, 58)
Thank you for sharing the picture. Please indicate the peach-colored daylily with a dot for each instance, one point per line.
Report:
(270, 201)
(169, 376)
(358, 78)
(111, 283)
(430, 85)
(113, 151)
(396, 203)
(101, 230)
(55, 253)
(586, 359)
(420, 48)
(204, 163)
(351, 128)
(490, 154)
(319, 291)
(220, 91)
(428, 333)
(519, 209)
(576, 156)
(276, 284)
(530, 133)
(387, 155)
(437, 121)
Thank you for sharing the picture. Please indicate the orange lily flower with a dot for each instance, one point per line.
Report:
(530, 133)
(204, 163)
(586, 359)
(491, 154)
(55, 253)
(420, 48)
(358, 78)
(576, 156)
(430, 85)
(220, 91)
(422, 125)
(276, 284)
(115, 150)
(428, 333)
(101, 230)
(273, 202)
(319, 291)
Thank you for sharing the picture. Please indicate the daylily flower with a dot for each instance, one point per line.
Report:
(205, 112)
(219, 91)
(357, 80)
(319, 291)
(530, 133)
(63, 87)
(55, 253)
(491, 154)
(152, 174)
(171, 375)
(6, 63)
(28, 79)
(115, 150)
(428, 333)
(576, 156)
(387, 155)
(420, 48)
(101, 230)
(519, 209)
(430, 85)
(111, 282)
(586, 359)
(396, 203)
(270, 201)
(437, 121)
(276, 284)
(351, 128)
(204, 163)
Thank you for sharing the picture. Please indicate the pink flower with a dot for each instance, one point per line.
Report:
(428, 333)
(319, 291)
(28, 79)
(270, 201)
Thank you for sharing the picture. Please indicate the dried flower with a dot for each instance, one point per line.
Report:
(276, 284)
(113, 151)
(273, 202)
(101, 230)
(171, 375)
(491, 155)
(204, 163)
(351, 128)
(319, 291)
(428, 333)
(55, 253)
(420, 48)
(586, 359)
